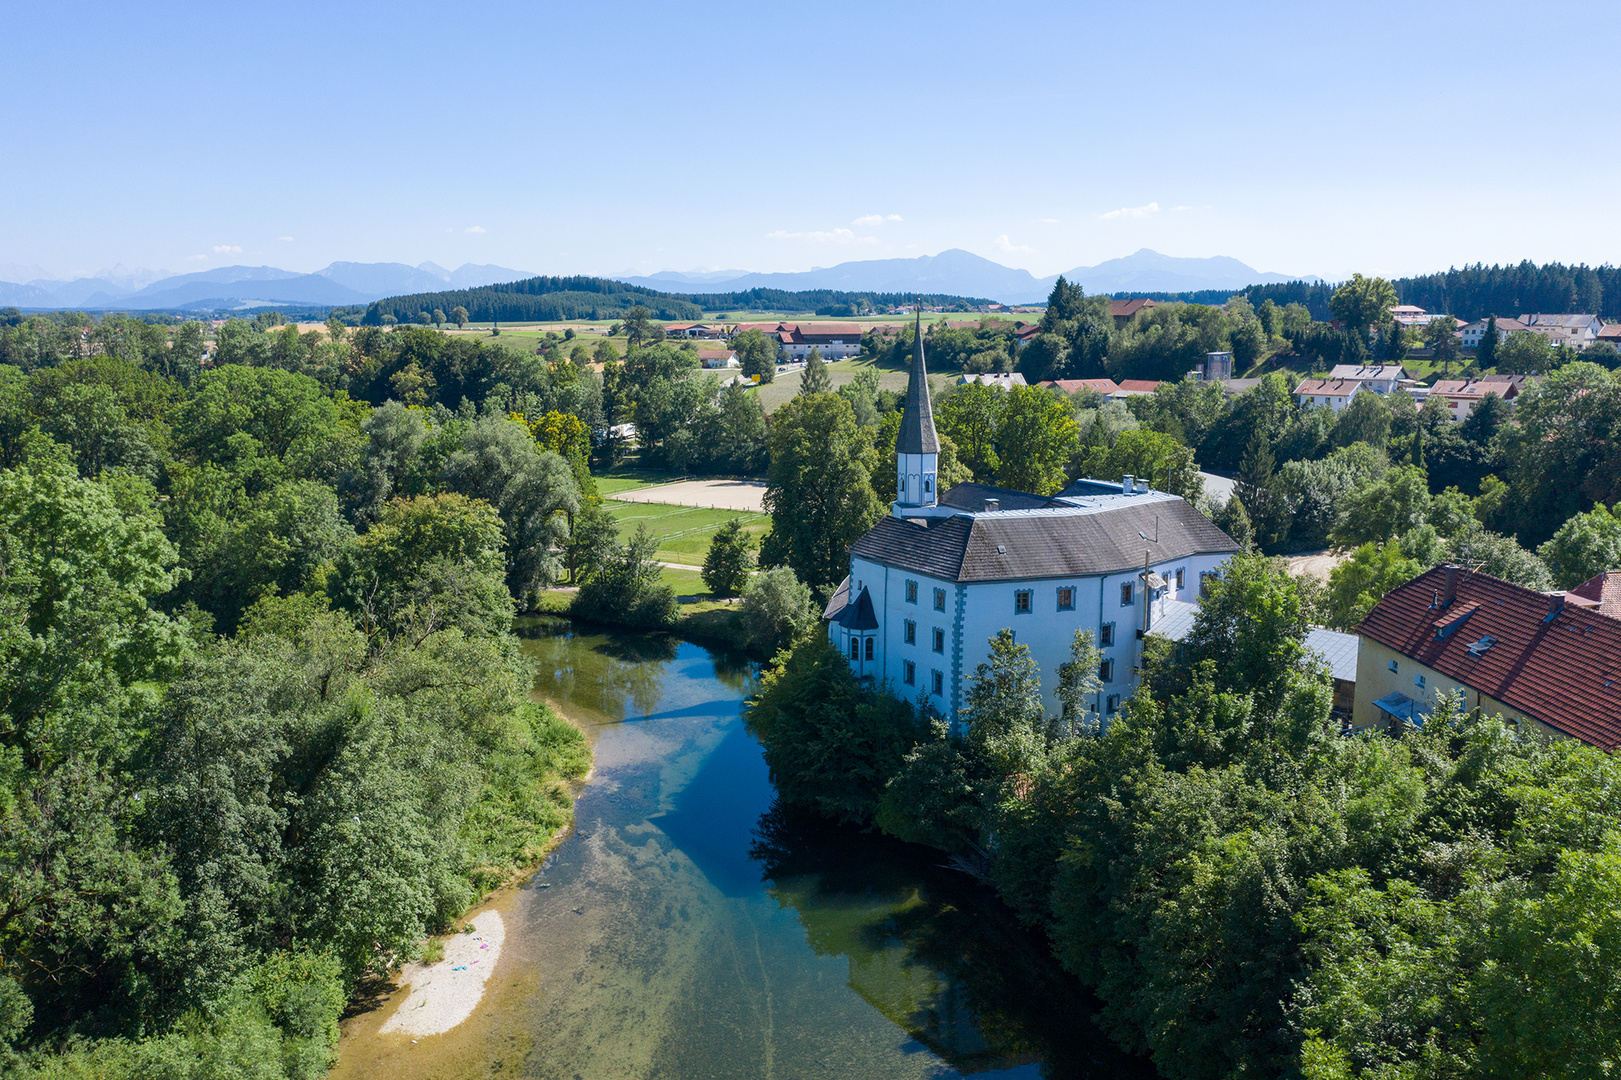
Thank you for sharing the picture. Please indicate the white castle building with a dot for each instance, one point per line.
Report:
(930, 585)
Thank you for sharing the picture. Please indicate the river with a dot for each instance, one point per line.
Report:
(690, 927)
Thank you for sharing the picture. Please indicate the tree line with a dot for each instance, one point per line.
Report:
(1248, 892)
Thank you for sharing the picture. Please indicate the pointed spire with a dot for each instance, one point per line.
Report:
(917, 423)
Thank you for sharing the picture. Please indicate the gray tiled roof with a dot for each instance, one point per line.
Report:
(972, 496)
(1058, 542)
(1339, 649)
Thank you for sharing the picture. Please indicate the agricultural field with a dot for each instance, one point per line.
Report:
(774, 394)
(683, 532)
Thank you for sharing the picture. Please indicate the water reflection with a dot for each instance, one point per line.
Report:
(933, 951)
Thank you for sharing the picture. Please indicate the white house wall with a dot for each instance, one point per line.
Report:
(977, 612)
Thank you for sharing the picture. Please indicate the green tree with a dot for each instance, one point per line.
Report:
(971, 416)
(1365, 419)
(459, 316)
(1037, 438)
(640, 329)
(818, 488)
(1152, 455)
(438, 317)
(730, 558)
(1079, 685)
(1361, 581)
(1441, 335)
(815, 379)
(1259, 492)
(1251, 625)
(1362, 303)
(1585, 545)
(757, 354)
(1379, 510)
(626, 589)
(1524, 353)
(1486, 351)
(777, 610)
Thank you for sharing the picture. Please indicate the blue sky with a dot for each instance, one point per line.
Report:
(605, 137)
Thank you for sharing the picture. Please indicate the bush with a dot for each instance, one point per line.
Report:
(776, 609)
(626, 591)
(831, 743)
(731, 556)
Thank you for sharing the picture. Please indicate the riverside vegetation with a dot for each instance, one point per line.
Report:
(1249, 893)
(263, 722)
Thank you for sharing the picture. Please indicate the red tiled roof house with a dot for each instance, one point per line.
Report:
(1549, 662)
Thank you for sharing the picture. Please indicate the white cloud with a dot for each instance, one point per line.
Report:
(227, 249)
(1131, 212)
(475, 228)
(875, 219)
(285, 239)
(837, 236)
(1002, 243)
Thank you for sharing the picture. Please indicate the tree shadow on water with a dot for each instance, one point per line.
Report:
(934, 951)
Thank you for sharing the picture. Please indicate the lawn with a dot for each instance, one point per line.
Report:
(683, 532)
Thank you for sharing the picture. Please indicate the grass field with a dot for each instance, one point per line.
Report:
(683, 532)
(774, 394)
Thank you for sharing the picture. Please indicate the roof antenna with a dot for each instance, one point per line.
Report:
(1155, 537)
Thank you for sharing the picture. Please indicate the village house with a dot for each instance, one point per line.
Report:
(1471, 333)
(1572, 331)
(930, 585)
(1134, 388)
(834, 341)
(1002, 380)
(1345, 380)
(1546, 662)
(719, 358)
(1462, 395)
(1123, 311)
(1106, 387)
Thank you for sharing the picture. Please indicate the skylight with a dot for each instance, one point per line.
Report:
(1478, 648)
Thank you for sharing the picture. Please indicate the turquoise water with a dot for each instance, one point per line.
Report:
(690, 927)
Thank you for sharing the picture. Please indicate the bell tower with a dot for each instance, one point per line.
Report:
(917, 449)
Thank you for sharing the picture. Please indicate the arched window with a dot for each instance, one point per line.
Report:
(855, 648)
(869, 648)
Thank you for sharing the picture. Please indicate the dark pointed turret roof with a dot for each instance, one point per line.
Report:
(917, 423)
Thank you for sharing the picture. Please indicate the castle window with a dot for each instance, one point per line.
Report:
(1179, 579)
(909, 632)
(1021, 602)
(909, 673)
(1106, 634)
(939, 599)
(928, 484)
(1106, 671)
(1126, 593)
(855, 649)
(911, 592)
(939, 683)
(869, 647)
(1066, 598)
(1418, 681)
(939, 640)
(1113, 704)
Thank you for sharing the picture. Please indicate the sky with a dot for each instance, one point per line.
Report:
(617, 136)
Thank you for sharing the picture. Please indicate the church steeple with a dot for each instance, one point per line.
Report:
(917, 422)
(917, 449)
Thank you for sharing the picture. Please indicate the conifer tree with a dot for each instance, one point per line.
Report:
(815, 379)
(1486, 351)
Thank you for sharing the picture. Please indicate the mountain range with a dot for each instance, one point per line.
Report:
(954, 272)
(962, 273)
(249, 286)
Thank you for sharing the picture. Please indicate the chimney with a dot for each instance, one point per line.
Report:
(1126, 485)
(1556, 604)
(992, 505)
(1450, 592)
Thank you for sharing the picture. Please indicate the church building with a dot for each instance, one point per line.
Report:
(930, 585)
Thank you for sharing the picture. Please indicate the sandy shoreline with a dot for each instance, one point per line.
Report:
(446, 993)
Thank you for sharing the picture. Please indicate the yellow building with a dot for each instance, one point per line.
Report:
(1549, 662)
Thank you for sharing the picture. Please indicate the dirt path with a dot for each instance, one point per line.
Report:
(709, 494)
(1315, 564)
